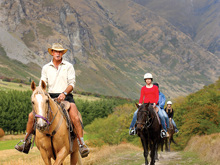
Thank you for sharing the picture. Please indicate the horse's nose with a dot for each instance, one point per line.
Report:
(41, 126)
(138, 128)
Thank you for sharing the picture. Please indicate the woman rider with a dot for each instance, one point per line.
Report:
(149, 94)
(170, 112)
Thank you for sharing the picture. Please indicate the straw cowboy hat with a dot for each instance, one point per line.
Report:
(57, 47)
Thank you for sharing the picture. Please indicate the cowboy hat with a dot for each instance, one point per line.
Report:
(57, 47)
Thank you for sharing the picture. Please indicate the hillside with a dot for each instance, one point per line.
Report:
(197, 18)
(195, 114)
(112, 44)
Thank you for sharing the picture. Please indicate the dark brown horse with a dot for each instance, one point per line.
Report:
(148, 129)
(168, 140)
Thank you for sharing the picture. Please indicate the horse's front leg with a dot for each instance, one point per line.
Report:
(61, 155)
(75, 158)
(162, 143)
(44, 155)
(166, 142)
(145, 147)
(152, 153)
(156, 154)
(169, 144)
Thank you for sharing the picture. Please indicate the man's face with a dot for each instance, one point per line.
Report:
(57, 55)
(168, 105)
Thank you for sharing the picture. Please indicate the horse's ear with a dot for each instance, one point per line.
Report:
(147, 105)
(137, 105)
(43, 85)
(33, 85)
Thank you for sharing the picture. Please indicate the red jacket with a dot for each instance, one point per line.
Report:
(150, 95)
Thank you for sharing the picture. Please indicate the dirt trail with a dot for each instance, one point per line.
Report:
(166, 157)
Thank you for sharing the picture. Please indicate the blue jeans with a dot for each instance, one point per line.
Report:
(161, 116)
(174, 124)
(134, 119)
(166, 117)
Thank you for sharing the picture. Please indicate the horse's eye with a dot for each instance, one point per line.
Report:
(32, 102)
(47, 101)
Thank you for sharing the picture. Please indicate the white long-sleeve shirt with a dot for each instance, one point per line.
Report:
(58, 80)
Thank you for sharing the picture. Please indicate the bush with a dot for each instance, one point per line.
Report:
(2, 133)
(112, 130)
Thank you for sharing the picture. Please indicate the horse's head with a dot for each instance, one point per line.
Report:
(142, 116)
(40, 103)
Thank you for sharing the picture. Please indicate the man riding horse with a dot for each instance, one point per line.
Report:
(59, 76)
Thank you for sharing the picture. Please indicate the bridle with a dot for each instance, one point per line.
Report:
(46, 119)
(149, 120)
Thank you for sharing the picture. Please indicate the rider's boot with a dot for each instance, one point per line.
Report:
(83, 149)
(26, 144)
(167, 133)
(132, 131)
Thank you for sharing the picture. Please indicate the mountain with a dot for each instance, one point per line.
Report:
(112, 44)
(198, 18)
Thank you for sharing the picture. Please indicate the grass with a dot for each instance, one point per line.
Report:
(122, 154)
(22, 87)
(13, 86)
(9, 144)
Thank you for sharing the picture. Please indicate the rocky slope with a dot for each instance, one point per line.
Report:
(112, 44)
(198, 18)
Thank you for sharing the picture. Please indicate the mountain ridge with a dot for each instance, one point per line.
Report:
(112, 45)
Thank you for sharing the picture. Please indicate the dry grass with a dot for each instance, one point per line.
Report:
(12, 137)
(96, 156)
(207, 147)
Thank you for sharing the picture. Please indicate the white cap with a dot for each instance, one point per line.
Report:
(169, 102)
(148, 75)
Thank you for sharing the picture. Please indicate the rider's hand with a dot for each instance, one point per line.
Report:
(61, 97)
(154, 105)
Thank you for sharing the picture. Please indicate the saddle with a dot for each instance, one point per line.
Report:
(156, 110)
(65, 105)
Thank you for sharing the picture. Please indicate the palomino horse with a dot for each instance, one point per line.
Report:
(169, 139)
(52, 138)
(148, 129)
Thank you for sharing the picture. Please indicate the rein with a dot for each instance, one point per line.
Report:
(46, 119)
(147, 123)
(48, 116)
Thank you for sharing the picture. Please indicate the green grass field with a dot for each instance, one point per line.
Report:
(5, 86)
(13, 86)
(10, 143)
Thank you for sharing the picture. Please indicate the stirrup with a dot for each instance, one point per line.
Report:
(25, 147)
(84, 153)
(132, 131)
(163, 133)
